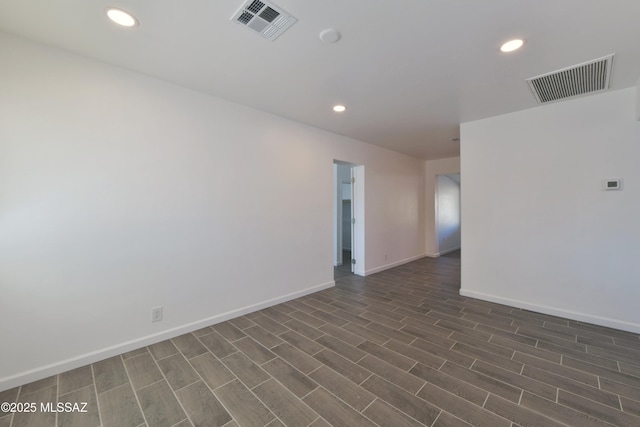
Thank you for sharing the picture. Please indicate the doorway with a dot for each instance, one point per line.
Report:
(448, 220)
(348, 219)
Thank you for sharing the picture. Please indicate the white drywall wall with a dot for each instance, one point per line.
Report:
(538, 230)
(119, 193)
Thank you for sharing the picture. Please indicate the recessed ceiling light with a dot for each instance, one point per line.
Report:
(339, 108)
(512, 45)
(121, 17)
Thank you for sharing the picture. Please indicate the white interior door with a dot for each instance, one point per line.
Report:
(358, 218)
(352, 221)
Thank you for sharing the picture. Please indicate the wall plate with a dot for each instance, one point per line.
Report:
(612, 184)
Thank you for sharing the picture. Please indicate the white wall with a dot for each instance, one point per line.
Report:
(448, 214)
(433, 168)
(538, 231)
(119, 193)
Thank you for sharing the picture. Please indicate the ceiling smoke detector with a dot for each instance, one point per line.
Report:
(582, 79)
(264, 18)
(330, 35)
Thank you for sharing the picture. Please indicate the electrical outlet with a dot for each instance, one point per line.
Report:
(156, 314)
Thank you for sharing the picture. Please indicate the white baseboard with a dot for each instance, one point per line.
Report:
(554, 311)
(36, 374)
(439, 254)
(449, 250)
(393, 264)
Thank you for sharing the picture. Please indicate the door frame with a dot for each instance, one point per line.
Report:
(357, 212)
(455, 177)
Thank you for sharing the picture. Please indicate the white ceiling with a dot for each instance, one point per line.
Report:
(409, 71)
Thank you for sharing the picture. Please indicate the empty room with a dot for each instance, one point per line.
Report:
(294, 213)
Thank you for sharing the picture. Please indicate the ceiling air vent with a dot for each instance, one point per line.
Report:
(582, 79)
(264, 18)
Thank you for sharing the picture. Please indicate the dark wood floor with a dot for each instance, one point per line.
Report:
(398, 348)
(343, 270)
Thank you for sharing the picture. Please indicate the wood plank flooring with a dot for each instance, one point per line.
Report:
(398, 348)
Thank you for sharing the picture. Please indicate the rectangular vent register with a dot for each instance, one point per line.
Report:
(582, 79)
(264, 18)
